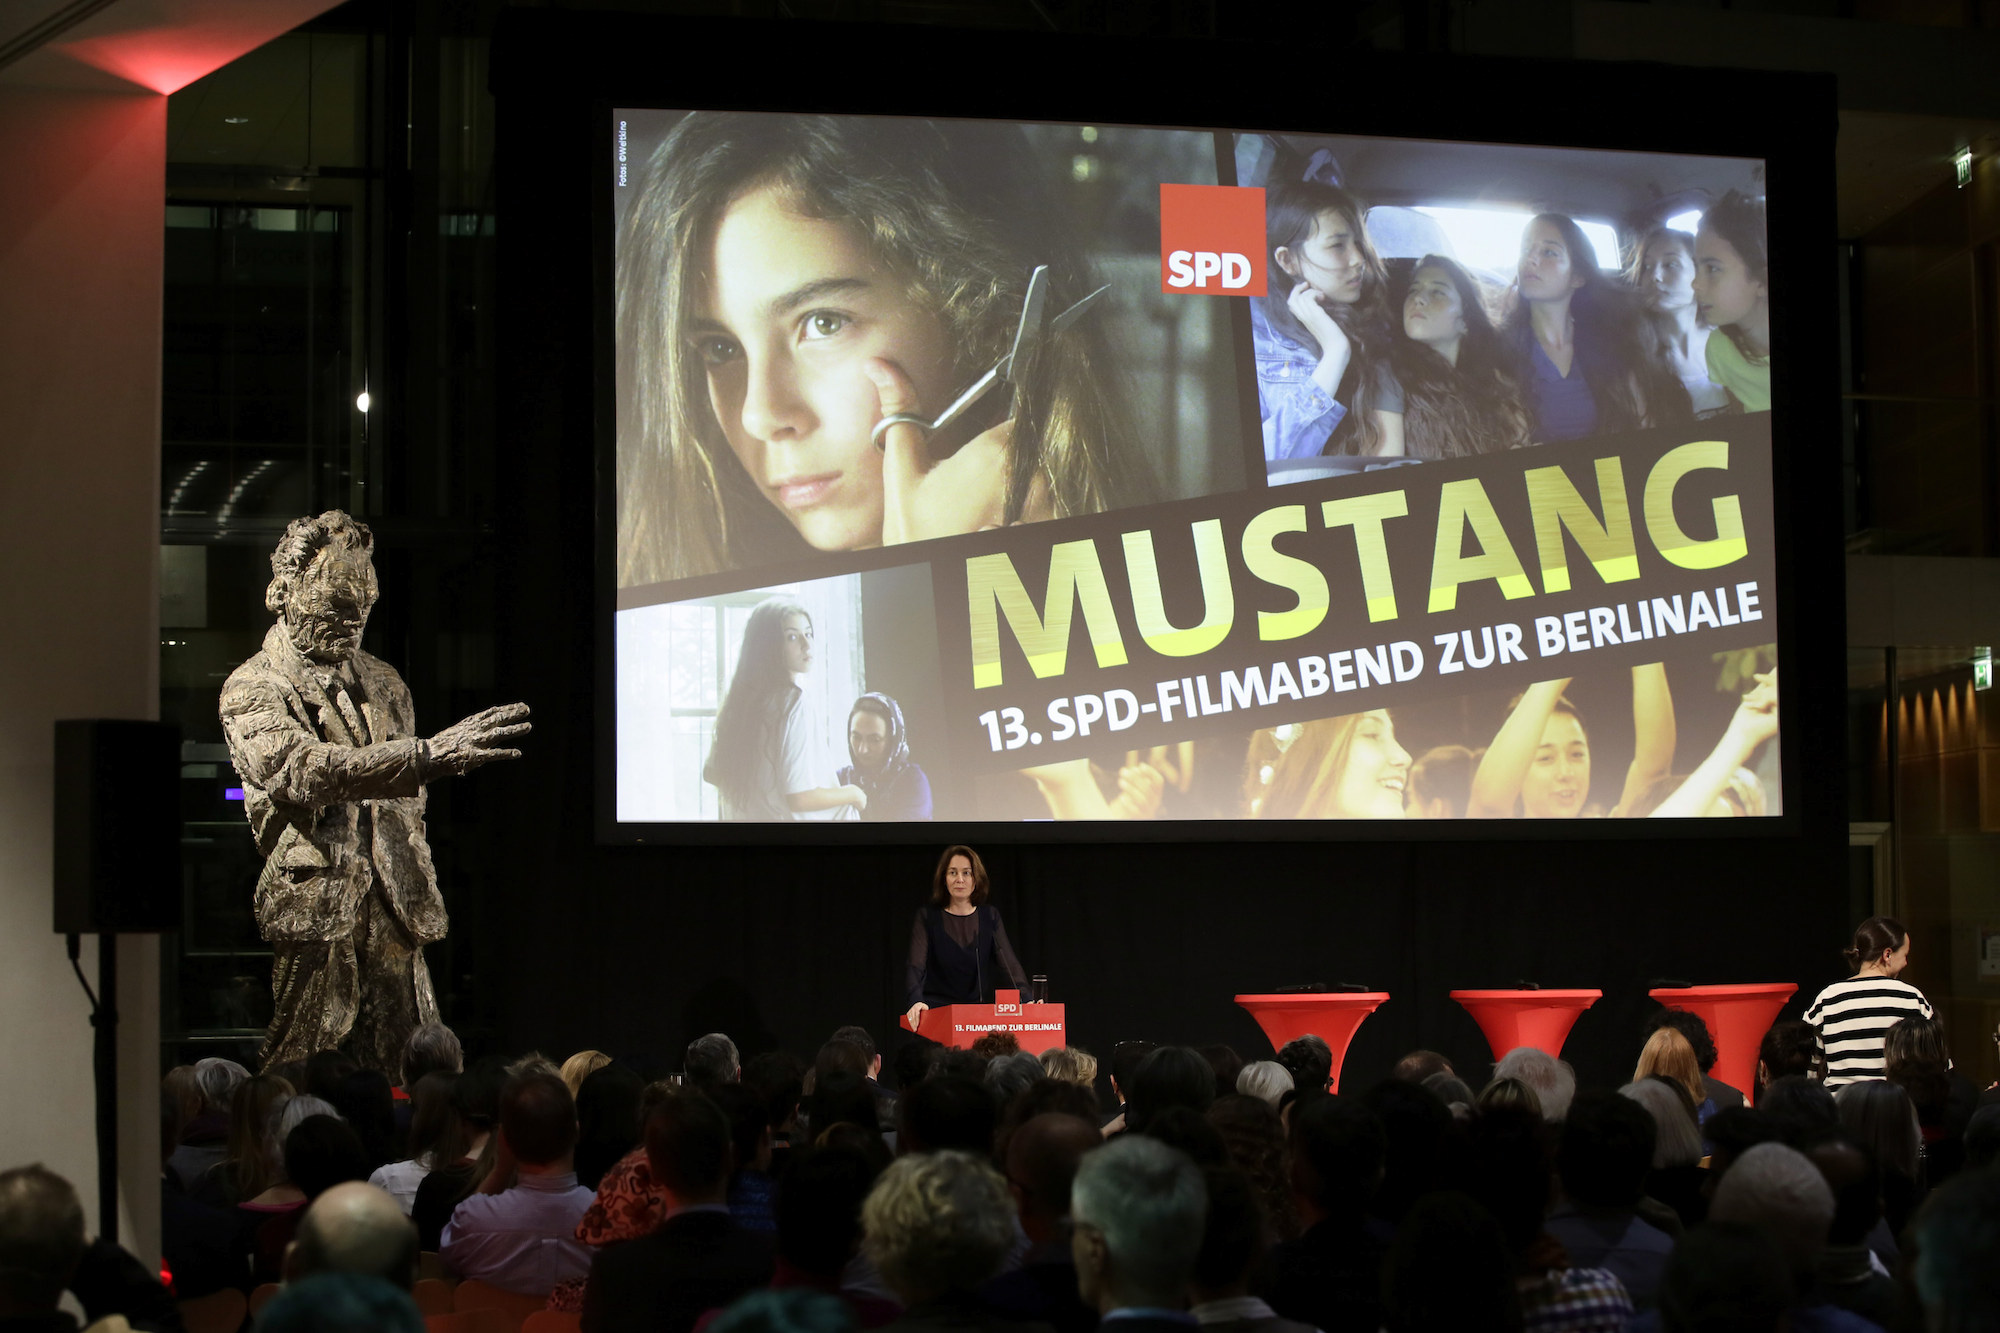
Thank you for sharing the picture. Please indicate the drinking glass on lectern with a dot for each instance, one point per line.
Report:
(1039, 988)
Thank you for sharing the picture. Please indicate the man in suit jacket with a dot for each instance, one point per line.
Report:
(1138, 1208)
(699, 1258)
(323, 737)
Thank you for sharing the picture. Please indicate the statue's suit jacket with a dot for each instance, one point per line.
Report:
(335, 807)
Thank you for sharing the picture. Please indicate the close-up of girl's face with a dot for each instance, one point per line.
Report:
(1558, 781)
(1548, 272)
(1377, 769)
(1667, 275)
(1724, 291)
(1433, 312)
(797, 644)
(1329, 260)
(791, 310)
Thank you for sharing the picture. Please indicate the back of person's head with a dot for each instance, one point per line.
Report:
(745, 1110)
(1913, 1051)
(995, 1044)
(1982, 1138)
(218, 1080)
(181, 1098)
(1856, 1182)
(937, 1224)
(946, 1112)
(1418, 1066)
(1266, 1080)
(1253, 1137)
(1337, 1154)
(912, 1061)
(712, 1059)
(538, 1118)
(580, 1067)
(1699, 1039)
(1725, 1277)
(355, 1228)
(1042, 1097)
(366, 1103)
(1008, 1076)
(1508, 1170)
(1799, 1108)
(839, 1057)
(1553, 1080)
(790, 1310)
(252, 1109)
(1878, 934)
(779, 1077)
(1415, 1123)
(1189, 1132)
(842, 1096)
(1956, 1234)
(1126, 1057)
(1309, 1060)
(1449, 1269)
(1071, 1064)
(325, 1070)
(1732, 1133)
(1779, 1191)
(819, 1209)
(1606, 1150)
(1879, 1116)
(1455, 1092)
(1170, 1076)
(432, 1049)
(1227, 1064)
(1667, 1054)
(1042, 1157)
(41, 1239)
(341, 1303)
(609, 1120)
(959, 1064)
(476, 1095)
(1142, 1204)
(436, 1138)
(688, 1146)
(1676, 1135)
(1785, 1052)
(321, 1151)
(858, 1037)
(1510, 1094)
(1232, 1237)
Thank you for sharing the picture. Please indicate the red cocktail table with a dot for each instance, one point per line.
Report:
(1332, 1017)
(1538, 1018)
(1737, 1017)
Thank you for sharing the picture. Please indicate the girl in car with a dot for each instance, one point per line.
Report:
(1732, 296)
(1538, 766)
(787, 282)
(1662, 273)
(1582, 345)
(1339, 768)
(1459, 393)
(1322, 332)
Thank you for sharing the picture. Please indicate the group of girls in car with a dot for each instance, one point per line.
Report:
(1565, 352)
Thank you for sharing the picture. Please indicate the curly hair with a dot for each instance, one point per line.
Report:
(937, 1223)
(1071, 1064)
(304, 539)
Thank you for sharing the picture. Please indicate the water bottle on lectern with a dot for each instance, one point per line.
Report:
(1039, 988)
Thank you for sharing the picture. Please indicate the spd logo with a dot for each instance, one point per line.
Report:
(1006, 1009)
(1212, 240)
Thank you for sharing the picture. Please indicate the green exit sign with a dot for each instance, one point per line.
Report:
(1982, 669)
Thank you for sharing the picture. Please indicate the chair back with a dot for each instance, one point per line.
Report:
(218, 1312)
(552, 1321)
(434, 1297)
(512, 1306)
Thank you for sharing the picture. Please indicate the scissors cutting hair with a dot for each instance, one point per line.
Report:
(1027, 336)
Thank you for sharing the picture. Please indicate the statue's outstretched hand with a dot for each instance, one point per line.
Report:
(479, 739)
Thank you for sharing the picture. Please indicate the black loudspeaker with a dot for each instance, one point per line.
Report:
(118, 827)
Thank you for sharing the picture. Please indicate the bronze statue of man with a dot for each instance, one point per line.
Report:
(324, 739)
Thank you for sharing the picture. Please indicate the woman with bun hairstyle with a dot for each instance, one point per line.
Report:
(1851, 1019)
(1582, 347)
(1460, 397)
(1322, 332)
(1339, 768)
(1538, 766)
(762, 762)
(787, 282)
(1732, 296)
(1662, 273)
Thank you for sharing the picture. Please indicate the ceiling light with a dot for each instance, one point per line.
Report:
(236, 120)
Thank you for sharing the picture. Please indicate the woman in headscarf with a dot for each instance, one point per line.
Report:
(882, 767)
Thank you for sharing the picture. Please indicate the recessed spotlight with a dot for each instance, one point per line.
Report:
(362, 401)
(236, 120)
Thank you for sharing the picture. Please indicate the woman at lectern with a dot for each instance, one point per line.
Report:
(958, 944)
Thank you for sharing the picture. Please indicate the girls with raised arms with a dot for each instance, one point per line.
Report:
(786, 282)
(1538, 766)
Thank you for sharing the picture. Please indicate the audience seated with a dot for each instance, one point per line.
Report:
(780, 1077)
(1170, 1076)
(712, 1059)
(1605, 1153)
(1982, 1138)
(1138, 1209)
(1188, 1132)
(1878, 1115)
(1227, 1064)
(609, 1121)
(1233, 1244)
(945, 1111)
(248, 1166)
(1676, 1177)
(885, 1101)
(1449, 1270)
(204, 1141)
(475, 1101)
(1041, 1158)
(45, 1252)
(1418, 1066)
(1725, 1277)
(1845, 1273)
(1253, 1139)
(1510, 1094)
(1008, 1076)
(819, 1230)
(1071, 1064)
(1702, 1042)
(752, 1194)
(1309, 1061)
(580, 1067)
(1330, 1276)
(366, 1102)
(341, 1303)
(698, 1258)
(1455, 1093)
(1786, 1052)
(1775, 1189)
(795, 1310)
(1799, 1108)
(325, 1071)
(1955, 1239)
(1041, 1097)
(518, 1230)
(1265, 1079)
(937, 1226)
(320, 1152)
(435, 1138)
(1553, 1080)
(995, 1044)
(1415, 1127)
(1668, 1055)
(355, 1228)
(1126, 1057)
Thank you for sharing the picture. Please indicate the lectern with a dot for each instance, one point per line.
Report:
(1038, 1027)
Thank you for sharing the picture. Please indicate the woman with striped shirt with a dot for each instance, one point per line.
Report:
(1850, 1019)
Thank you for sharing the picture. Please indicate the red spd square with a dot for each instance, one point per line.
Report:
(1212, 240)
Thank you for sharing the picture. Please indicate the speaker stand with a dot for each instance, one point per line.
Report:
(104, 1020)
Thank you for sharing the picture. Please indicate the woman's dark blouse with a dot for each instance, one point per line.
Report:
(951, 955)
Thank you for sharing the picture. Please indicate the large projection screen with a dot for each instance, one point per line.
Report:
(1295, 479)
